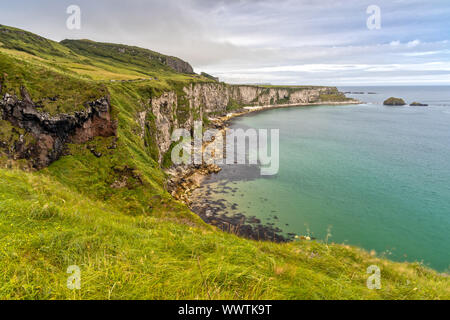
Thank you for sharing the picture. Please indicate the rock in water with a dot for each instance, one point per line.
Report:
(418, 104)
(394, 102)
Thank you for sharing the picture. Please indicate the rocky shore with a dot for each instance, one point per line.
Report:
(185, 179)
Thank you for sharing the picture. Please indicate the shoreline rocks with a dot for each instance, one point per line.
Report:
(184, 179)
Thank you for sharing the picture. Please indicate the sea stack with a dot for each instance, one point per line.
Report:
(394, 102)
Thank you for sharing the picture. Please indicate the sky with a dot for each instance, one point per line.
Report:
(325, 42)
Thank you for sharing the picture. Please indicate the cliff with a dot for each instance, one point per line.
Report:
(178, 65)
(92, 121)
(43, 137)
(159, 114)
(64, 79)
(197, 101)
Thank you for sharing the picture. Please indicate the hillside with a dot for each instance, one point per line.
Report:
(84, 138)
(129, 56)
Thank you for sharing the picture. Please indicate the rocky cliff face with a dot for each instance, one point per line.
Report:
(165, 110)
(41, 138)
(179, 65)
(180, 109)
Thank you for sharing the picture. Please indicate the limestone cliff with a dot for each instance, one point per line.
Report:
(179, 109)
(40, 138)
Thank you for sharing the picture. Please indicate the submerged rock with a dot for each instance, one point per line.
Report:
(418, 104)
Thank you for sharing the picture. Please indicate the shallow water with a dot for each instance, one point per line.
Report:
(373, 176)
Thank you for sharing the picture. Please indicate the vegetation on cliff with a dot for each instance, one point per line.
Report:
(103, 205)
(127, 56)
(206, 75)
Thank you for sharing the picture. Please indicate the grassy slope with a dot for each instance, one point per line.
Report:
(143, 61)
(136, 242)
(47, 226)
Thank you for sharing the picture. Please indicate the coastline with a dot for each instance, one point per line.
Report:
(252, 109)
(187, 178)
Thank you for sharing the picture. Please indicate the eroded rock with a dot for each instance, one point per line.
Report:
(51, 133)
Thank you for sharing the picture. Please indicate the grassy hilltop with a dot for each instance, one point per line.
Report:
(137, 242)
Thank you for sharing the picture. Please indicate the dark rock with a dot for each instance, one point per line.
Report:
(95, 153)
(418, 104)
(25, 95)
(53, 132)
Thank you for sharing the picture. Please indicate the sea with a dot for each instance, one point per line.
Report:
(368, 175)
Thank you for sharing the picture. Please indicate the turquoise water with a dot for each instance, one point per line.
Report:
(372, 176)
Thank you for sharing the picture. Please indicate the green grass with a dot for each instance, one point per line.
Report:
(75, 72)
(126, 56)
(30, 43)
(113, 217)
(47, 226)
(54, 91)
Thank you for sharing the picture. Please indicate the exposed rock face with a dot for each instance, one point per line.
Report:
(394, 102)
(164, 110)
(179, 65)
(52, 133)
(172, 110)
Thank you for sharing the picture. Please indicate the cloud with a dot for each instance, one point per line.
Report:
(413, 43)
(285, 41)
(418, 54)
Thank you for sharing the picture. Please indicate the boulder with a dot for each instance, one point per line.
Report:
(394, 102)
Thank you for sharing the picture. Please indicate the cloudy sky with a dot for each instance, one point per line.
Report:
(324, 42)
